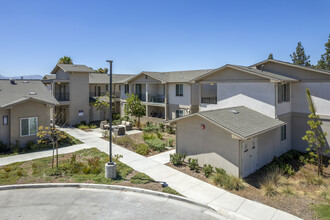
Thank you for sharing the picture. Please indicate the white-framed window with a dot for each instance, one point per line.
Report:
(284, 93)
(126, 88)
(5, 120)
(179, 89)
(178, 113)
(29, 126)
(283, 133)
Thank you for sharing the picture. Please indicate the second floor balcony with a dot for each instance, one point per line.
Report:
(98, 94)
(62, 96)
(156, 98)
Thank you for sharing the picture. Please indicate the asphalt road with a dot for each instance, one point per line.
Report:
(75, 203)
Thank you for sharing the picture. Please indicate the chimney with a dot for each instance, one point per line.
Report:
(262, 67)
(12, 82)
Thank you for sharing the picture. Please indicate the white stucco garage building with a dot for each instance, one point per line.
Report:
(238, 139)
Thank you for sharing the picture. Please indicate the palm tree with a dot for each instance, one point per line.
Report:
(65, 60)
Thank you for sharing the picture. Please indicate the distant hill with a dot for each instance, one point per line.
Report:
(24, 77)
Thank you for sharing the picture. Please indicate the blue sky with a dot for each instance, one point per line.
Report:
(157, 35)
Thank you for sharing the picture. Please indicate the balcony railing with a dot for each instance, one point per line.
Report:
(97, 94)
(62, 96)
(142, 97)
(209, 100)
(156, 98)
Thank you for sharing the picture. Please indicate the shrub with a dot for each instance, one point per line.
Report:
(227, 181)
(193, 164)
(177, 159)
(141, 178)
(147, 136)
(313, 179)
(19, 172)
(150, 127)
(3, 147)
(116, 157)
(268, 187)
(125, 141)
(220, 170)
(270, 181)
(160, 135)
(156, 144)
(115, 116)
(170, 129)
(29, 145)
(170, 142)
(92, 126)
(15, 147)
(116, 122)
(142, 149)
(207, 170)
(83, 127)
(288, 191)
(161, 127)
(94, 165)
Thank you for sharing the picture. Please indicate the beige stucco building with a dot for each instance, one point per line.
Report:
(24, 106)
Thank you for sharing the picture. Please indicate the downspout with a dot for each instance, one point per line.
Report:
(240, 158)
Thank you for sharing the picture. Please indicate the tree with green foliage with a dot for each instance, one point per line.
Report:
(299, 57)
(270, 56)
(134, 107)
(324, 62)
(65, 60)
(315, 137)
(102, 70)
(103, 103)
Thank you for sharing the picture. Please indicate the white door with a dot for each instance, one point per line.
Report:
(249, 157)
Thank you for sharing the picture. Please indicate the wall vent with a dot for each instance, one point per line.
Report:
(234, 111)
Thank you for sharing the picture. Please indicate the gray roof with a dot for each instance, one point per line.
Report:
(49, 77)
(175, 76)
(73, 68)
(99, 78)
(245, 124)
(24, 90)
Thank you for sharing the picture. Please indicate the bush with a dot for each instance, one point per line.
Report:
(148, 136)
(29, 145)
(160, 135)
(150, 127)
(227, 181)
(92, 126)
(270, 181)
(141, 178)
(125, 141)
(116, 157)
(193, 164)
(170, 191)
(115, 116)
(156, 144)
(161, 127)
(170, 129)
(3, 147)
(142, 149)
(171, 142)
(94, 165)
(15, 147)
(177, 159)
(207, 170)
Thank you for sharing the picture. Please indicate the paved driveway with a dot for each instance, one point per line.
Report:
(74, 203)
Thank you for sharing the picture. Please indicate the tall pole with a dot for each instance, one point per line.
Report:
(110, 117)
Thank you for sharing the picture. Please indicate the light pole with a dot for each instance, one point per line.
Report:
(110, 167)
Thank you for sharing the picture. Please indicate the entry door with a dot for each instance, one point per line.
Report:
(249, 157)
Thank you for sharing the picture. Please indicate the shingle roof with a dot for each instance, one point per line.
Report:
(24, 90)
(49, 77)
(245, 124)
(73, 68)
(99, 78)
(174, 76)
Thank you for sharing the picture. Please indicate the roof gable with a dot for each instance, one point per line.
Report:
(72, 68)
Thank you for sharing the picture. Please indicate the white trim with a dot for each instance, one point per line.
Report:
(20, 126)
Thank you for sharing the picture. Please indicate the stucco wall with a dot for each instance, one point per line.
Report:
(4, 129)
(79, 97)
(256, 96)
(212, 145)
(195, 94)
(172, 110)
(25, 110)
(60, 74)
(179, 100)
(283, 107)
(320, 92)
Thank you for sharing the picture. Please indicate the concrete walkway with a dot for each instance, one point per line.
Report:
(224, 202)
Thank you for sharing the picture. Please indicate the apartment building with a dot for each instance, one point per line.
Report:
(248, 115)
(76, 88)
(167, 95)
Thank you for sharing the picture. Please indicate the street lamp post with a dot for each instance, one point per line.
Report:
(110, 167)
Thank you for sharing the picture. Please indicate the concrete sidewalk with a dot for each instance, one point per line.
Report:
(195, 189)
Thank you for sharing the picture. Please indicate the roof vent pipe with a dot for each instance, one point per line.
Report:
(12, 82)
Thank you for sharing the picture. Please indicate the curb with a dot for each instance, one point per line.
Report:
(103, 186)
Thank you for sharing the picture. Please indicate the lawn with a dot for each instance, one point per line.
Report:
(32, 146)
(153, 140)
(290, 183)
(84, 166)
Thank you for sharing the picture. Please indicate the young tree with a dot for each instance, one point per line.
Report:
(134, 107)
(299, 57)
(324, 62)
(102, 70)
(315, 137)
(270, 56)
(65, 60)
(103, 103)
(51, 135)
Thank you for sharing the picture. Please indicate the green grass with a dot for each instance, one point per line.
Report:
(141, 178)
(322, 211)
(76, 170)
(171, 191)
(39, 147)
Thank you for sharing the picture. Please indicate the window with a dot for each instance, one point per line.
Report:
(283, 133)
(284, 93)
(5, 120)
(126, 89)
(179, 89)
(178, 113)
(29, 126)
